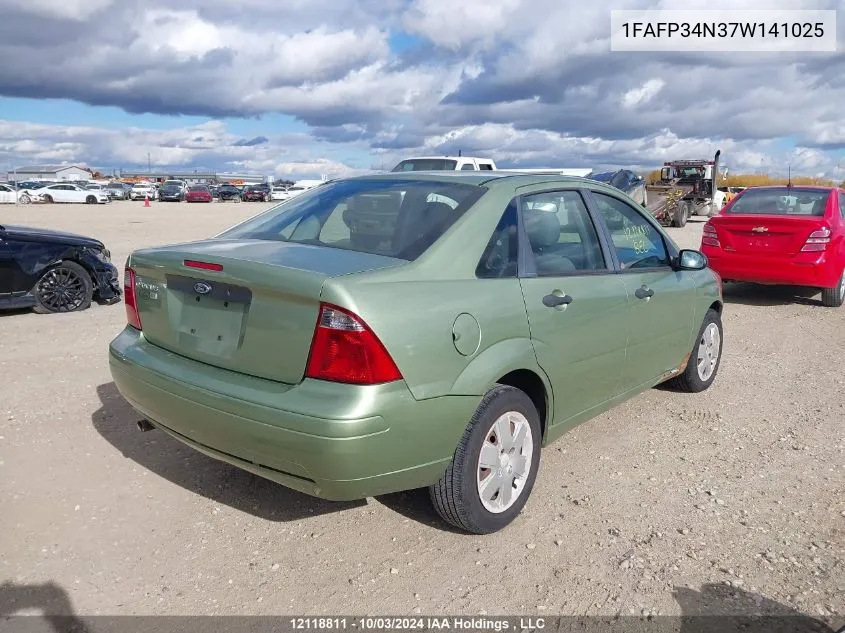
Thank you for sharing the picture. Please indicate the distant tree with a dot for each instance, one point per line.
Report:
(97, 175)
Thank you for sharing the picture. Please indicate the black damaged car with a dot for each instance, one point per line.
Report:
(51, 271)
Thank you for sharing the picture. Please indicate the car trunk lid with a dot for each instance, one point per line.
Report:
(255, 314)
(769, 235)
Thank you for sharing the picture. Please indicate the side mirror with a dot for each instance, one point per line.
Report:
(689, 259)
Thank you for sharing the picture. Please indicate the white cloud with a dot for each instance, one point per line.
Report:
(639, 96)
(524, 81)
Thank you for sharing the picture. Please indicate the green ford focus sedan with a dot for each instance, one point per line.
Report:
(398, 331)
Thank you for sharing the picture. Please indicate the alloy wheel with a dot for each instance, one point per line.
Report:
(61, 290)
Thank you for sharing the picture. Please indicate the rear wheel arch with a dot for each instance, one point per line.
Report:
(530, 383)
(501, 359)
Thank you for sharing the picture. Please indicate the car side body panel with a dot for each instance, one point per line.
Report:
(451, 334)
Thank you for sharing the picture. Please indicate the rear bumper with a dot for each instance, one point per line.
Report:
(817, 270)
(333, 441)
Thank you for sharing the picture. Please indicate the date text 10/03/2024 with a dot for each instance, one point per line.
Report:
(416, 623)
(723, 29)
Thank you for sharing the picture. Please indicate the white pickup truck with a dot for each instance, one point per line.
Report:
(445, 163)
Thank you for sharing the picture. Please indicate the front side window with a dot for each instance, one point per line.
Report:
(395, 218)
(561, 234)
(842, 205)
(468, 167)
(636, 242)
(426, 164)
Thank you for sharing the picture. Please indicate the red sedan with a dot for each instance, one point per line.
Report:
(199, 193)
(789, 235)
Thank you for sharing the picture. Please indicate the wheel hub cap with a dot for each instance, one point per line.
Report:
(505, 462)
(708, 351)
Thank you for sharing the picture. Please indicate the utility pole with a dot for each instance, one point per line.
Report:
(149, 164)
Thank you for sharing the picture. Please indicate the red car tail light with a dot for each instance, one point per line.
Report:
(130, 299)
(817, 241)
(345, 349)
(709, 236)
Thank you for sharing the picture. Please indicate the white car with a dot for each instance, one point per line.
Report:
(141, 190)
(7, 195)
(69, 193)
(280, 193)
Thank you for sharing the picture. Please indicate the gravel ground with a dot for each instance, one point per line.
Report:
(728, 501)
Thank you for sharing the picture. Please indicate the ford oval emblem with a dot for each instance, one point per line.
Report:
(202, 288)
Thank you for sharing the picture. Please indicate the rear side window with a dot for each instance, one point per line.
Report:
(842, 205)
(499, 260)
(561, 234)
(395, 218)
(781, 201)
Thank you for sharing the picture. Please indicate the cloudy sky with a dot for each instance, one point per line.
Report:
(300, 88)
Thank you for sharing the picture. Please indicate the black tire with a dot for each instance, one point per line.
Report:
(90, 200)
(834, 297)
(455, 496)
(679, 218)
(690, 380)
(74, 278)
(48, 199)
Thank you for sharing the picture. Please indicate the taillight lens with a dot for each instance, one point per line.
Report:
(345, 350)
(130, 299)
(817, 241)
(709, 236)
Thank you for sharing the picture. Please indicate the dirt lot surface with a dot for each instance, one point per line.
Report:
(728, 501)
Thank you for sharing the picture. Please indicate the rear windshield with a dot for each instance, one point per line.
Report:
(426, 164)
(383, 217)
(780, 201)
(198, 188)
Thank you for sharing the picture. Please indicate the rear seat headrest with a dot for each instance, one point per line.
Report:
(543, 228)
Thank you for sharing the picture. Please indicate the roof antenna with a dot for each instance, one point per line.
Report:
(459, 153)
(789, 176)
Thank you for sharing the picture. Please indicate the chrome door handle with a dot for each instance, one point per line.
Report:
(644, 292)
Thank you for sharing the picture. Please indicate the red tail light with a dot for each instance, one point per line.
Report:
(130, 299)
(346, 350)
(817, 241)
(709, 236)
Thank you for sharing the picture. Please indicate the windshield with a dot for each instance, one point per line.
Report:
(780, 201)
(426, 164)
(383, 217)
